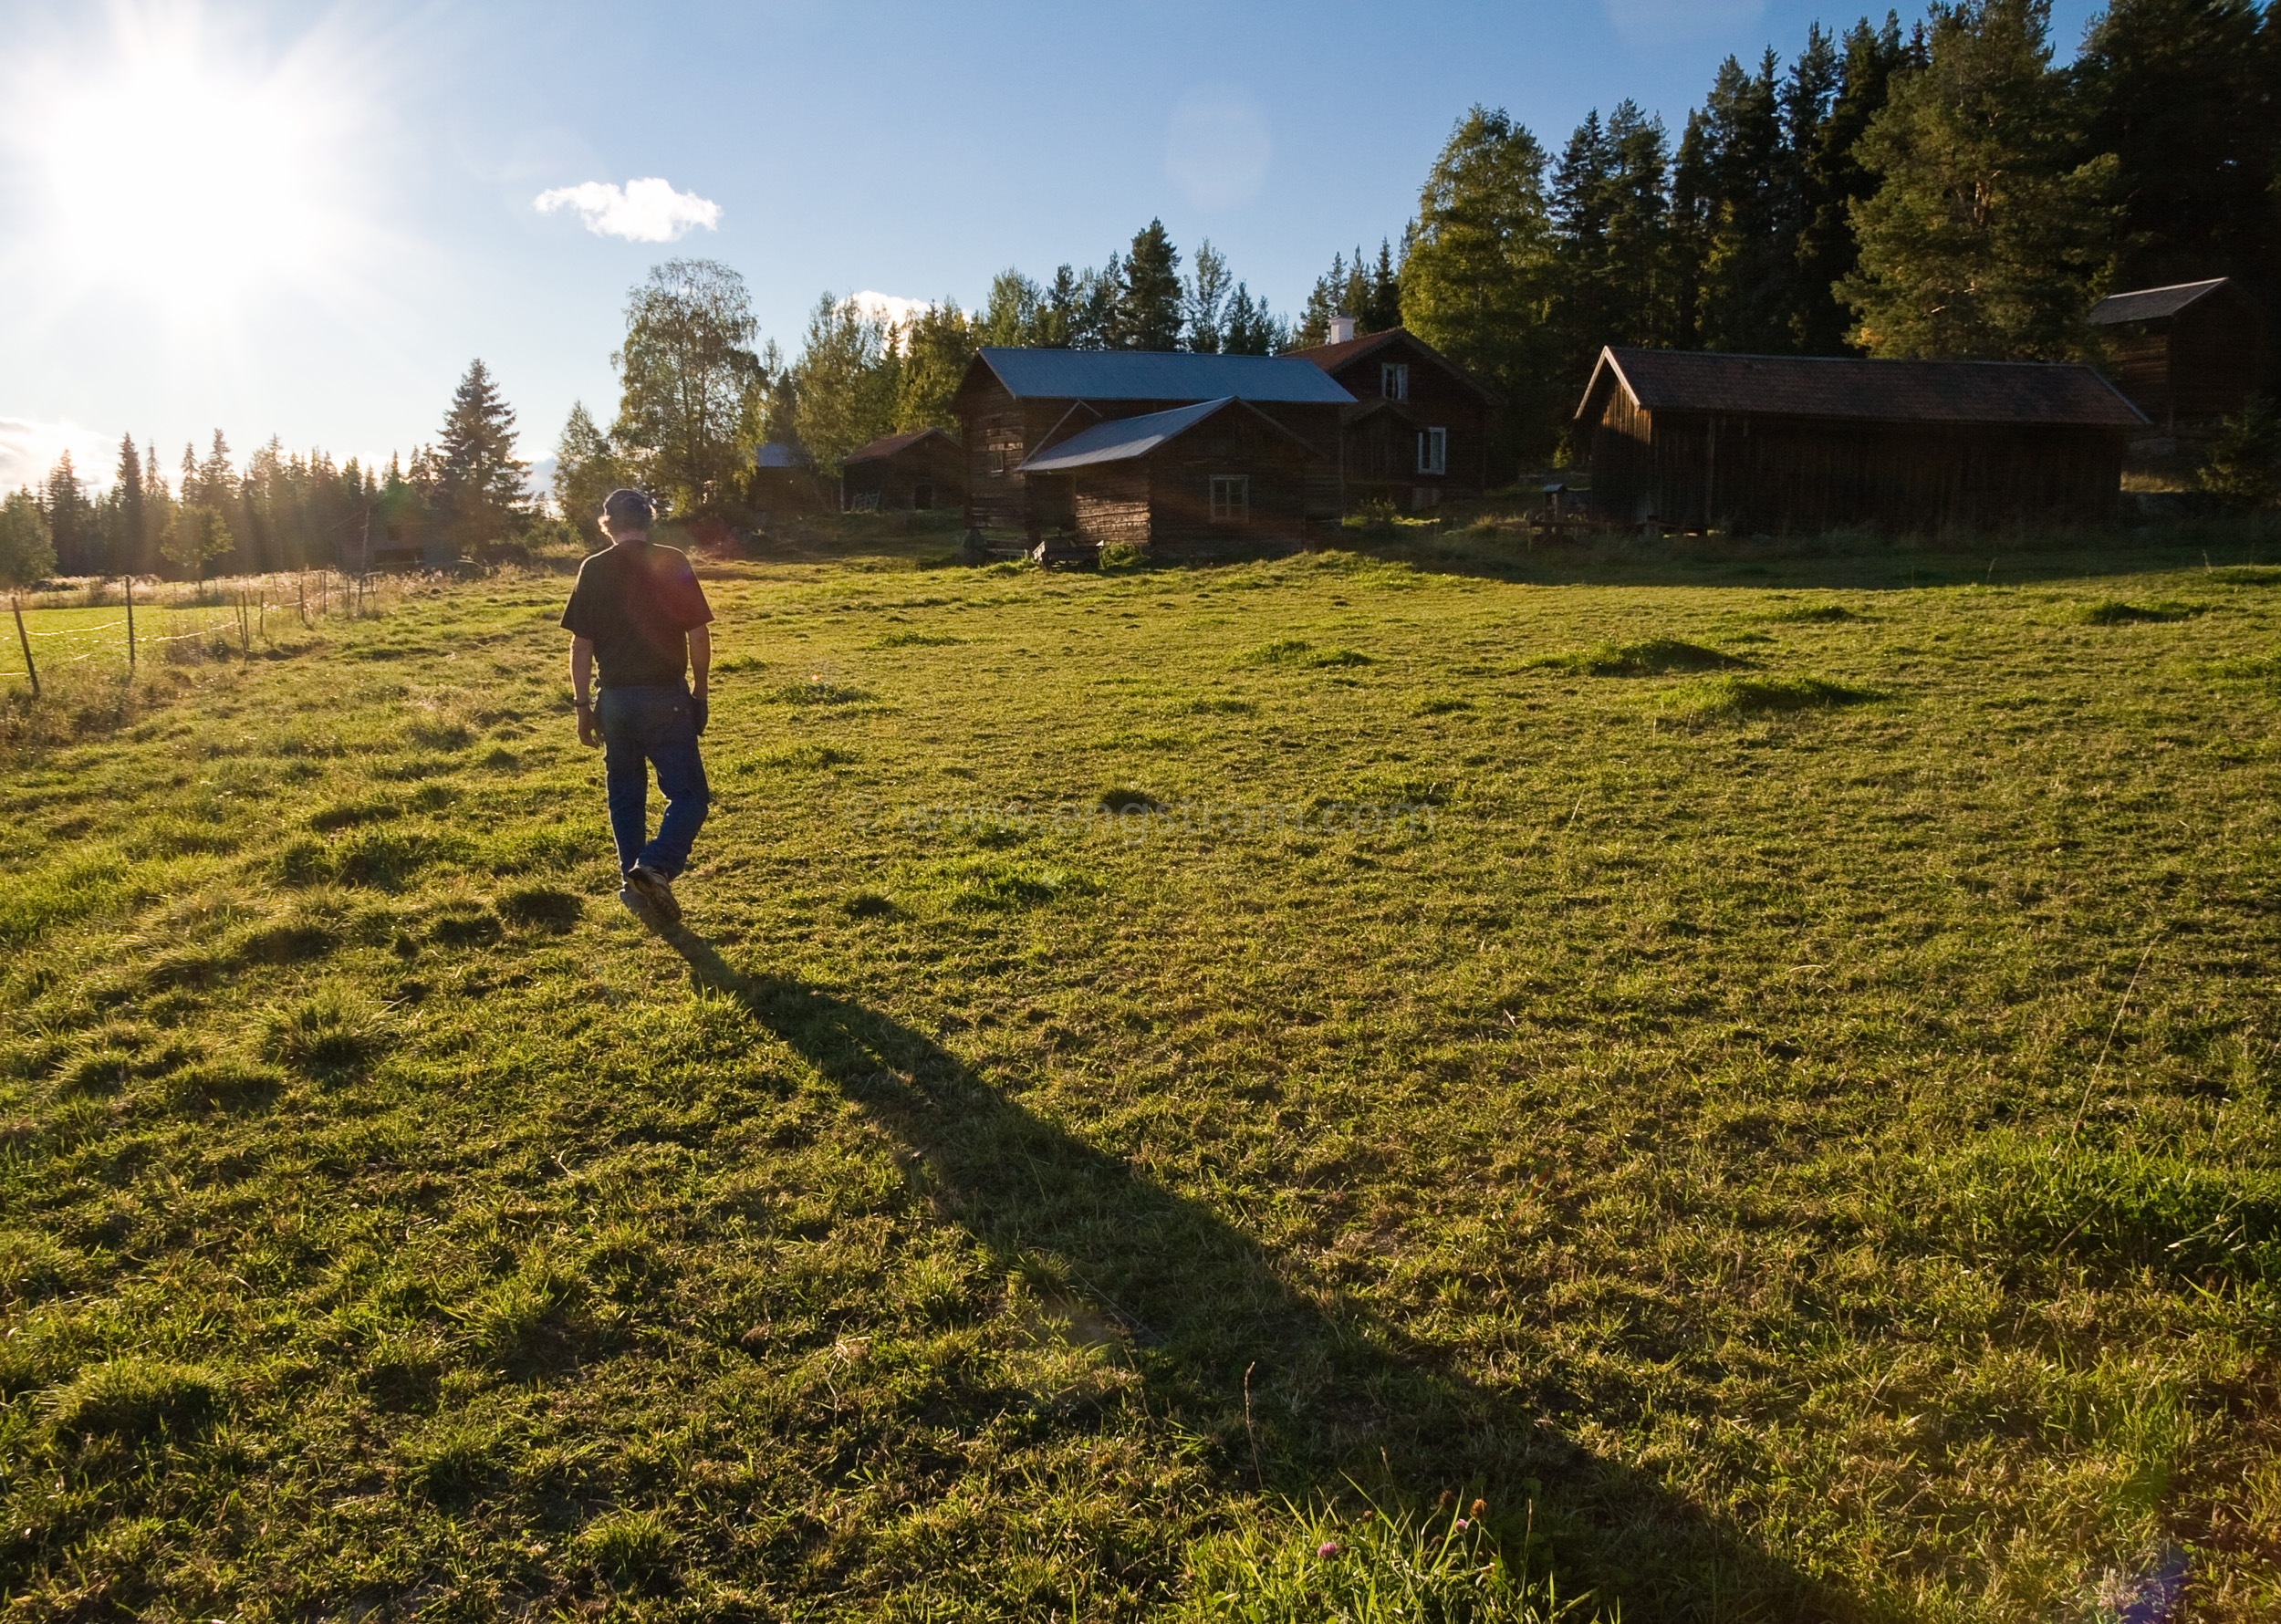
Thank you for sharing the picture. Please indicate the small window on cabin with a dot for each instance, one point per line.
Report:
(1434, 451)
(1394, 380)
(998, 459)
(1231, 498)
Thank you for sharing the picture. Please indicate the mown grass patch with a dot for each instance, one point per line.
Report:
(2115, 612)
(1656, 656)
(1113, 1125)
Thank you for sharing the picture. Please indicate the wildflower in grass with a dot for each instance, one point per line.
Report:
(1328, 1548)
(1461, 1523)
(1478, 1508)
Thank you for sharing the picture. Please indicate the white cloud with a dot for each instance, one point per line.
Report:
(1217, 147)
(28, 450)
(893, 308)
(640, 211)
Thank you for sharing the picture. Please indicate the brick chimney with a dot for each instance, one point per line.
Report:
(1341, 329)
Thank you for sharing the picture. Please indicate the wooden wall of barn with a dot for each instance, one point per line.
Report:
(1769, 474)
(1110, 504)
(2216, 356)
(931, 467)
(1381, 452)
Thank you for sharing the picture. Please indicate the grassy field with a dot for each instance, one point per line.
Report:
(1748, 1082)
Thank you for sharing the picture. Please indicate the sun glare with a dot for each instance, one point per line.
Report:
(199, 182)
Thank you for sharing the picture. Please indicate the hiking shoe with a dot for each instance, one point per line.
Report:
(656, 891)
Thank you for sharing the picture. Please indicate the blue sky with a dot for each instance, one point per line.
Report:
(304, 220)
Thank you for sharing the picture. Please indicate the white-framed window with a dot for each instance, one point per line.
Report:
(1434, 451)
(997, 465)
(1231, 498)
(1393, 379)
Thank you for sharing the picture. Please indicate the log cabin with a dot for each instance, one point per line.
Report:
(1754, 444)
(2188, 353)
(1012, 403)
(921, 469)
(1201, 480)
(1418, 431)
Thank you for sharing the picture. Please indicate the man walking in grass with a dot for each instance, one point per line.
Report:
(638, 613)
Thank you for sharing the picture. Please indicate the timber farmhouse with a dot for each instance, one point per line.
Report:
(1192, 480)
(1689, 440)
(1419, 428)
(918, 470)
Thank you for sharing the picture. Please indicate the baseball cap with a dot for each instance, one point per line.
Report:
(629, 508)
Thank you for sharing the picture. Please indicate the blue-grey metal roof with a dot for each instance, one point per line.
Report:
(1161, 375)
(1121, 439)
(776, 455)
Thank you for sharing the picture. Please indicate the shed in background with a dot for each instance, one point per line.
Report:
(2186, 353)
(1767, 443)
(784, 482)
(923, 468)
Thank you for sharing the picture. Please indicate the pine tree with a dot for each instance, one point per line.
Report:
(1985, 237)
(1475, 282)
(479, 485)
(1148, 295)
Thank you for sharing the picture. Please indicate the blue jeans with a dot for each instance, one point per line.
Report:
(641, 728)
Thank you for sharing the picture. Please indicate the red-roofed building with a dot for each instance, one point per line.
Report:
(1692, 441)
(1418, 431)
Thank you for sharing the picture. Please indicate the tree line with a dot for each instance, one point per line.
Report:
(282, 511)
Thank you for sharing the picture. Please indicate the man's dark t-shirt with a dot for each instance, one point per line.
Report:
(637, 604)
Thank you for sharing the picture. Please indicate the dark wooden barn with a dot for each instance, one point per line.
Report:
(2184, 354)
(1769, 443)
(1418, 431)
(1217, 477)
(921, 469)
(1012, 403)
(784, 482)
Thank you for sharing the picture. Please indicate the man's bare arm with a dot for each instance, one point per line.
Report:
(581, 685)
(700, 659)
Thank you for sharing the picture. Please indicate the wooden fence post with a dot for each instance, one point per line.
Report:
(23, 638)
(131, 625)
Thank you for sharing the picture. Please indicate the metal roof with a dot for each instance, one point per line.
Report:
(776, 455)
(1160, 375)
(1121, 439)
(2151, 304)
(2017, 392)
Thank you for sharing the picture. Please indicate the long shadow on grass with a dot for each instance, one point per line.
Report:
(1293, 1391)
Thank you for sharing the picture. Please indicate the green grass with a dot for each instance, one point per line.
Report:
(1167, 1071)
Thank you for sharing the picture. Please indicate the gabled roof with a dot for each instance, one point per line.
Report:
(2151, 304)
(1330, 358)
(1122, 439)
(1156, 375)
(2019, 392)
(887, 445)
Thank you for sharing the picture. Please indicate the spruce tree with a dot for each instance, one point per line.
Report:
(937, 344)
(127, 527)
(479, 482)
(1987, 236)
(1205, 300)
(1149, 296)
(1835, 181)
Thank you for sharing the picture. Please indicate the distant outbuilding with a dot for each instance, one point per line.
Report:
(1768, 443)
(1217, 477)
(2187, 353)
(784, 482)
(921, 469)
